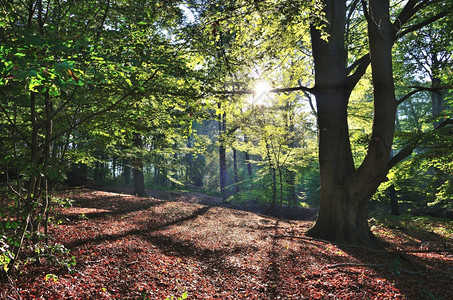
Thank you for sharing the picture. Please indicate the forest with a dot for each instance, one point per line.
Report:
(226, 149)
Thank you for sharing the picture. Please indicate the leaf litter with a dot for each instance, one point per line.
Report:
(180, 244)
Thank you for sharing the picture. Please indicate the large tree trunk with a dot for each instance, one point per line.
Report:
(346, 192)
(335, 157)
(291, 187)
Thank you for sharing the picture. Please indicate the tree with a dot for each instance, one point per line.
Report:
(346, 191)
(275, 136)
(137, 168)
(64, 66)
(341, 57)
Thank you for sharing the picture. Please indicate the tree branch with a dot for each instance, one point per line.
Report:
(405, 152)
(361, 64)
(108, 108)
(313, 110)
(426, 22)
(406, 13)
(104, 16)
(252, 92)
(421, 89)
(15, 127)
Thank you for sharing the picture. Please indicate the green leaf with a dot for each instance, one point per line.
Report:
(34, 84)
(62, 66)
(54, 91)
(52, 277)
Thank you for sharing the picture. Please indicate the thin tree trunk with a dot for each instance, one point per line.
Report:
(436, 96)
(280, 176)
(274, 187)
(247, 160)
(249, 165)
(126, 172)
(235, 167)
(189, 162)
(290, 178)
(33, 183)
(394, 207)
(139, 178)
(96, 172)
(273, 175)
(114, 168)
(47, 157)
(222, 155)
(291, 183)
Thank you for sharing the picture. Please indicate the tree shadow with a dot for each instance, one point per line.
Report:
(286, 212)
(419, 269)
(140, 232)
(216, 263)
(296, 267)
(108, 207)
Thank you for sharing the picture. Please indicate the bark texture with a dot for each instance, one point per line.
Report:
(346, 191)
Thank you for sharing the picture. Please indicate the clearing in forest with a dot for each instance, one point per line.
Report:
(191, 246)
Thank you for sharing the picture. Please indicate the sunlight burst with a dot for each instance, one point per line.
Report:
(262, 87)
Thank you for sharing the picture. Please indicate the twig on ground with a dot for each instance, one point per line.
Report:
(357, 265)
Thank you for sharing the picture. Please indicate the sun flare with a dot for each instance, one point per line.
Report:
(262, 87)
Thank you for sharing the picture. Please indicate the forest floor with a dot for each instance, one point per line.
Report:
(187, 245)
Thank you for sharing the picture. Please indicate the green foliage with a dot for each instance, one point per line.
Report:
(52, 277)
(95, 90)
(184, 295)
(63, 202)
(55, 255)
(423, 180)
(310, 185)
(5, 254)
(78, 80)
(439, 226)
(422, 59)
